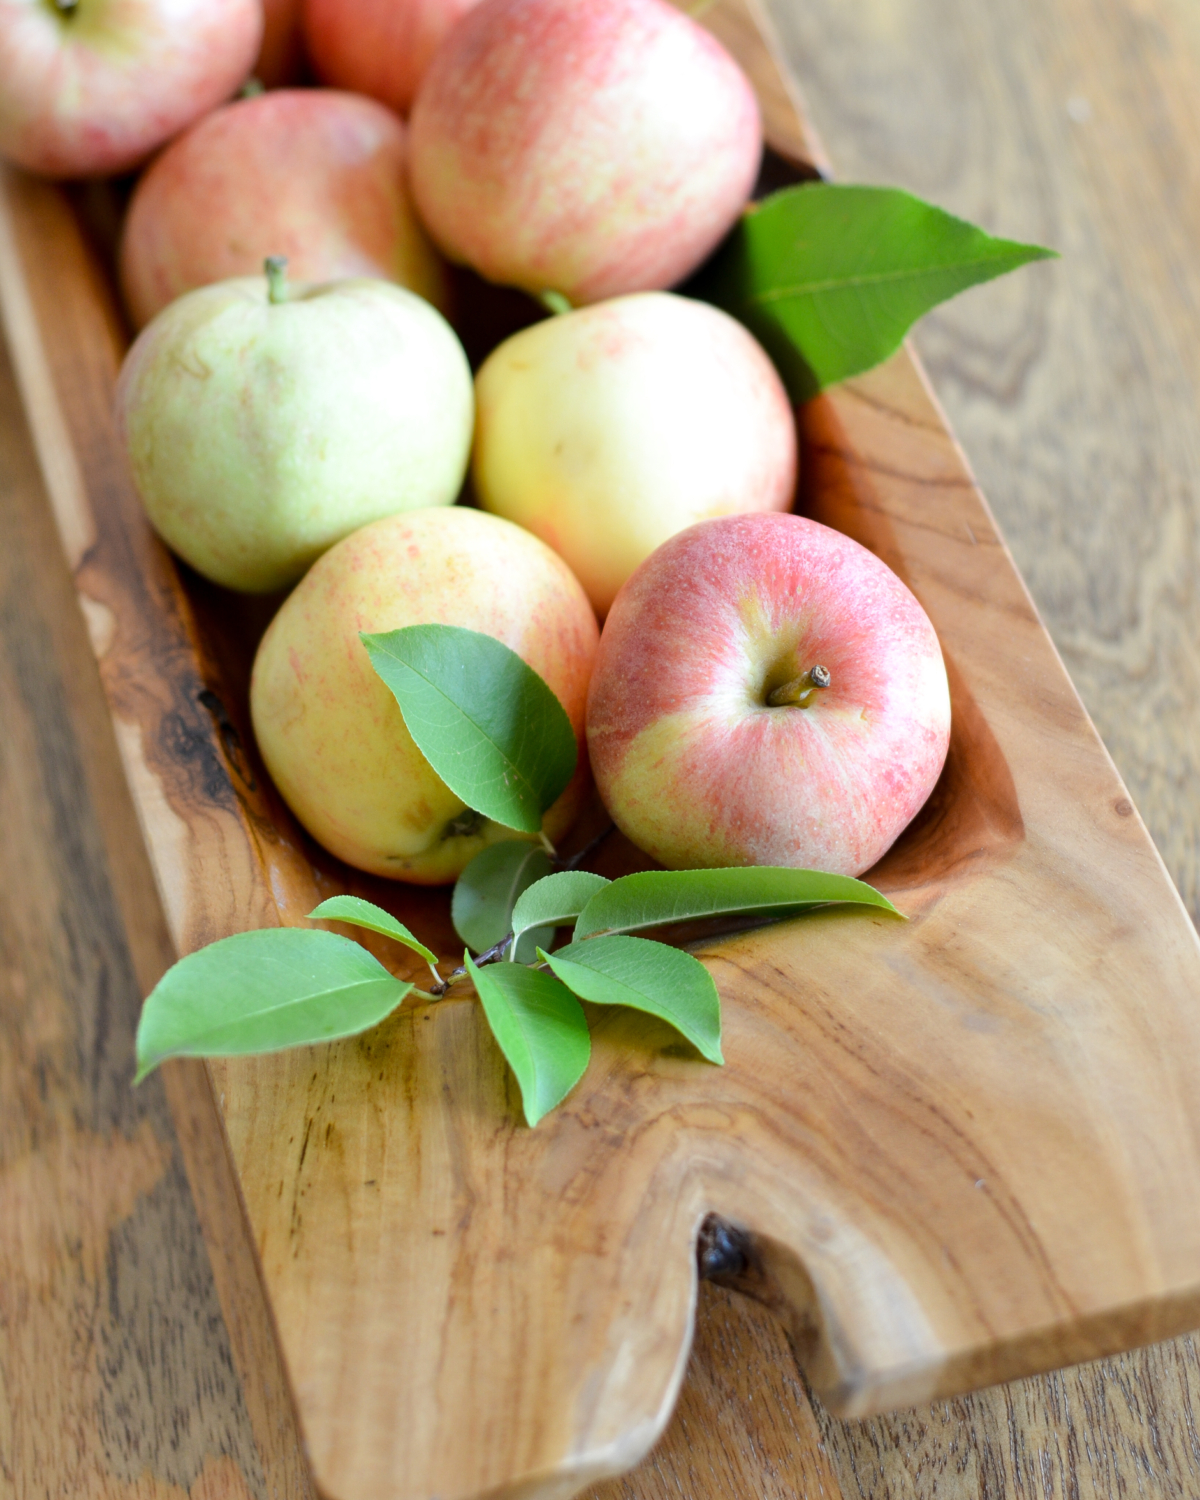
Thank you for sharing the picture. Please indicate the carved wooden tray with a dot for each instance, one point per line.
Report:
(955, 1150)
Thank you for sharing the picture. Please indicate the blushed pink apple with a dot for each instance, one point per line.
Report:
(332, 735)
(607, 430)
(767, 692)
(314, 175)
(93, 86)
(586, 149)
(378, 47)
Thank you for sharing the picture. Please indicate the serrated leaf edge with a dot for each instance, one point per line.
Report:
(403, 937)
(145, 1068)
(370, 640)
(473, 970)
(718, 1058)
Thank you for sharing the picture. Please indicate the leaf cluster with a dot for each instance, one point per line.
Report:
(283, 987)
(495, 733)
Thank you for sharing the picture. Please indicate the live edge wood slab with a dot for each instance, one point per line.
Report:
(953, 1150)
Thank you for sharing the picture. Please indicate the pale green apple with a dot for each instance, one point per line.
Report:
(330, 731)
(261, 428)
(607, 430)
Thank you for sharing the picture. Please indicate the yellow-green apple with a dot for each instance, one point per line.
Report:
(93, 86)
(609, 429)
(315, 175)
(263, 423)
(767, 692)
(584, 149)
(378, 47)
(332, 735)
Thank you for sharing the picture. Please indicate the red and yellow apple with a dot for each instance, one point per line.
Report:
(262, 426)
(378, 47)
(315, 175)
(330, 731)
(94, 86)
(607, 430)
(585, 149)
(767, 692)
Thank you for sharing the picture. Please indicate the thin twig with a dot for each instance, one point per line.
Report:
(489, 956)
(588, 849)
(496, 951)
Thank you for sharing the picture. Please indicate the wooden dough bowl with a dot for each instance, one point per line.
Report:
(949, 1151)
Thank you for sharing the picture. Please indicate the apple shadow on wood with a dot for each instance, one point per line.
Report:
(972, 815)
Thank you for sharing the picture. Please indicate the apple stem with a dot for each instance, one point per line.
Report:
(800, 691)
(275, 270)
(555, 302)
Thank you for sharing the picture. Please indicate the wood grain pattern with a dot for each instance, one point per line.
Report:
(990, 818)
(744, 1424)
(116, 1378)
(1075, 390)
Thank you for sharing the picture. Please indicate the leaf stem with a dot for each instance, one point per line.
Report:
(497, 950)
(440, 989)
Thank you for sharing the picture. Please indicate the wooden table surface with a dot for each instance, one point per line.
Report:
(1075, 389)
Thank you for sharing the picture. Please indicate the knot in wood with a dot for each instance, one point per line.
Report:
(722, 1249)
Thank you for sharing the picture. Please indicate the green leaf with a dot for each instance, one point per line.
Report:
(366, 914)
(554, 900)
(487, 890)
(664, 982)
(539, 1027)
(487, 723)
(830, 276)
(654, 897)
(263, 990)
